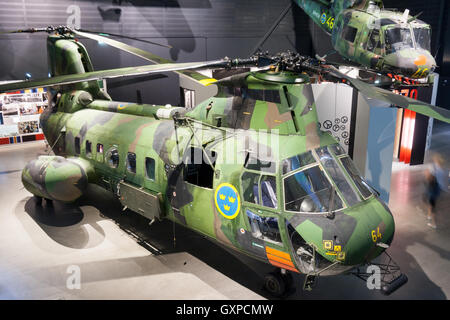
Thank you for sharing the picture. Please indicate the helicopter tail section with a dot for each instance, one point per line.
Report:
(324, 12)
(320, 11)
(67, 56)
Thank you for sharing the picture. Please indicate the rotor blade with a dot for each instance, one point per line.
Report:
(111, 73)
(107, 34)
(193, 75)
(272, 29)
(397, 100)
(29, 30)
(142, 54)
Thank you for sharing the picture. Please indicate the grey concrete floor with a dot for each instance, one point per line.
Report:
(37, 246)
(40, 246)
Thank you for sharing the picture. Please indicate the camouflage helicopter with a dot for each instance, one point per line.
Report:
(248, 168)
(385, 41)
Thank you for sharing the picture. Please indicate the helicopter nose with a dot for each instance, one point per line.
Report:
(373, 234)
(411, 63)
(351, 238)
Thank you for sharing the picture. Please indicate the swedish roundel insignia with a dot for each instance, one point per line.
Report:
(227, 200)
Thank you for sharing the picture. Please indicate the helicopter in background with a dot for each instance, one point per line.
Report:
(383, 41)
(248, 168)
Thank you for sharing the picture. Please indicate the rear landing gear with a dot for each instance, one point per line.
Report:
(39, 201)
(279, 283)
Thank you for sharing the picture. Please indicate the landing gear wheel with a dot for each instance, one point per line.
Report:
(275, 284)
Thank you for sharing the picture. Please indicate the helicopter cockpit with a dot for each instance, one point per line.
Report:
(322, 180)
(316, 184)
(399, 37)
(405, 46)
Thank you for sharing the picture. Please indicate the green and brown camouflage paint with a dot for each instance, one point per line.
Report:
(233, 124)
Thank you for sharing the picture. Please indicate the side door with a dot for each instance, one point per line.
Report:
(260, 195)
(197, 205)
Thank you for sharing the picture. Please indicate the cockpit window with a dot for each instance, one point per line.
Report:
(397, 38)
(264, 228)
(337, 149)
(360, 183)
(313, 185)
(297, 162)
(310, 191)
(260, 189)
(374, 43)
(269, 191)
(336, 173)
(423, 36)
(250, 182)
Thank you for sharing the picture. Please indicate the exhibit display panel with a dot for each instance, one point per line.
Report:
(19, 115)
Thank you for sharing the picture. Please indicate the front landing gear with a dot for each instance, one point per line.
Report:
(279, 283)
(310, 282)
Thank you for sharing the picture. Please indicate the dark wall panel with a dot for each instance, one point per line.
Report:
(197, 29)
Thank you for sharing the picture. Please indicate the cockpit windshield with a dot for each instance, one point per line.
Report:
(310, 191)
(423, 36)
(398, 38)
(321, 181)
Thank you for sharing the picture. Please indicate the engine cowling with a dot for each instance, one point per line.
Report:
(57, 178)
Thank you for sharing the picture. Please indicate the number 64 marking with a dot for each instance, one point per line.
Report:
(376, 234)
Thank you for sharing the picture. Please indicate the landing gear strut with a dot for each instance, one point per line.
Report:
(278, 283)
(390, 276)
(39, 201)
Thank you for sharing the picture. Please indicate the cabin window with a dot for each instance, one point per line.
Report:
(349, 33)
(113, 158)
(197, 169)
(77, 145)
(150, 168)
(131, 162)
(99, 148)
(88, 148)
(264, 228)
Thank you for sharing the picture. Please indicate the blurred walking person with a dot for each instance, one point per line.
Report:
(436, 183)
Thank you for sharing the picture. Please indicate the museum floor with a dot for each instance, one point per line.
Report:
(121, 257)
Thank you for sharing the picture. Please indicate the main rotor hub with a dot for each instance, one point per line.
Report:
(282, 76)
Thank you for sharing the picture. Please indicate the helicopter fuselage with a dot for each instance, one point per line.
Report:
(248, 168)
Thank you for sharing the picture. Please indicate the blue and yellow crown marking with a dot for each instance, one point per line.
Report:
(227, 200)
